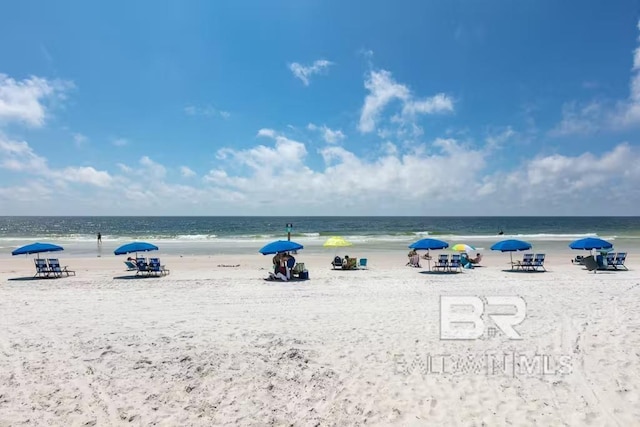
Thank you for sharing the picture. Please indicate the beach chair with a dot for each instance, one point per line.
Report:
(414, 261)
(336, 263)
(442, 263)
(578, 260)
(538, 262)
(155, 267)
(56, 270)
(525, 264)
(590, 263)
(610, 260)
(455, 263)
(362, 263)
(42, 269)
(131, 266)
(619, 260)
(142, 265)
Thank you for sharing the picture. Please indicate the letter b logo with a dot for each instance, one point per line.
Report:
(461, 316)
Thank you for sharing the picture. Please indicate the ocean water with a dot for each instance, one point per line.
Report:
(200, 235)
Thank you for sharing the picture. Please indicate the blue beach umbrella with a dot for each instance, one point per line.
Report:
(589, 243)
(36, 248)
(135, 247)
(280, 246)
(429, 244)
(511, 246)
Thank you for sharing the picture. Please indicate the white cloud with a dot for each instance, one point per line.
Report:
(579, 119)
(84, 175)
(346, 182)
(120, 142)
(587, 118)
(383, 90)
(628, 113)
(269, 133)
(79, 139)
(286, 154)
(284, 177)
(304, 72)
(497, 140)
(152, 169)
(18, 156)
(329, 135)
(435, 104)
(186, 172)
(26, 100)
(584, 183)
(206, 111)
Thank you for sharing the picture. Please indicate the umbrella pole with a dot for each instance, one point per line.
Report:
(511, 256)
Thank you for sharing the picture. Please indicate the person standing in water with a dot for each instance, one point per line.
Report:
(99, 238)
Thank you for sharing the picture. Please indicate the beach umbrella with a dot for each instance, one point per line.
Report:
(36, 248)
(135, 247)
(429, 244)
(336, 242)
(461, 247)
(589, 243)
(280, 246)
(511, 246)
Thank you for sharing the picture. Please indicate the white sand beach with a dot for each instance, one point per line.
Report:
(212, 345)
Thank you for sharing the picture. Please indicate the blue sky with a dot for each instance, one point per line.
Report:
(319, 107)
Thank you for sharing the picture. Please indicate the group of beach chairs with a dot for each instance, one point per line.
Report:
(529, 262)
(152, 267)
(444, 263)
(448, 264)
(50, 268)
(610, 261)
(349, 263)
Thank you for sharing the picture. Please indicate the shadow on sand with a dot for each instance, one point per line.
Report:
(509, 270)
(26, 279)
(440, 273)
(134, 277)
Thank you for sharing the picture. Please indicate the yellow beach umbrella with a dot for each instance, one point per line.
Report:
(461, 247)
(336, 242)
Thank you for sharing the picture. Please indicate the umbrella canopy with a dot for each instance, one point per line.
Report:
(135, 247)
(36, 248)
(336, 242)
(589, 243)
(511, 246)
(429, 244)
(280, 246)
(461, 247)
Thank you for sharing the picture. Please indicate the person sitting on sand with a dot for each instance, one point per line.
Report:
(412, 253)
(277, 259)
(345, 262)
(476, 260)
(280, 273)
